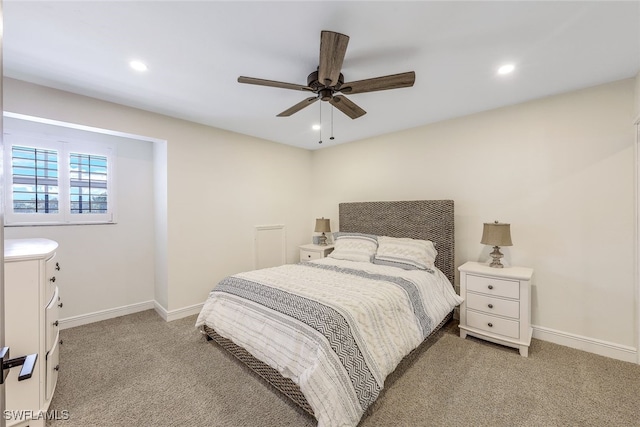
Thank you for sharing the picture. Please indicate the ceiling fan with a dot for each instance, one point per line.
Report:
(327, 81)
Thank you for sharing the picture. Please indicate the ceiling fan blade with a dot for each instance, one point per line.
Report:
(347, 106)
(299, 106)
(333, 47)
(272, 83)
(393, 81)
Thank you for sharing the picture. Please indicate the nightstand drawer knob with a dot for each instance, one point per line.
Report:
(490, 306)
(490, 325)
(490, 286)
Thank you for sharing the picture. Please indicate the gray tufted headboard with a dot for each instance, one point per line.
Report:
(418, 219)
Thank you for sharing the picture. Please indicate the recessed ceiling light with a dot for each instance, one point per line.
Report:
(506, 69)
(315, 127)
(138, 65)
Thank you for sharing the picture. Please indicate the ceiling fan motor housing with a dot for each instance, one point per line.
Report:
(325, 92)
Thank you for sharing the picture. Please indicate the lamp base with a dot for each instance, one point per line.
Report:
(322, 240)
(496, 255)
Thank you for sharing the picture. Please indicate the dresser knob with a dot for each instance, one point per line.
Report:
(55, 323)
(57, 367)
(490, 305)
(53, 279)
(490, 324)
(57, 266)
(60, 305)
(490, 286)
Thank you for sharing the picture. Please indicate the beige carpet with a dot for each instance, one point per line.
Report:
(138, 370)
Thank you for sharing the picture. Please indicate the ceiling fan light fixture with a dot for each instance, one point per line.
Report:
(506, 69)
(138, 65)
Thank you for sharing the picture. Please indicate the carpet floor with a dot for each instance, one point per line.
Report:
(139, 370)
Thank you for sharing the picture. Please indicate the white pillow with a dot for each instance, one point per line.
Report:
(405, 253)
(354, 247)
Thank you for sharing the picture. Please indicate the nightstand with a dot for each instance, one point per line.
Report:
(311, 251)
(497, 304)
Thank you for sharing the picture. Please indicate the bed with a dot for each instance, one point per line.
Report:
(327, 333)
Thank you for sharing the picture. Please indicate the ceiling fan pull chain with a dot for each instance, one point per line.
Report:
(320, 105)
(331, 138)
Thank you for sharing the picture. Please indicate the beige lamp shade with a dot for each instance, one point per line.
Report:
(496, 234)
(322, 225)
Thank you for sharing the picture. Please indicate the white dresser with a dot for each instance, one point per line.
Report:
(32, 300)
(496, 305)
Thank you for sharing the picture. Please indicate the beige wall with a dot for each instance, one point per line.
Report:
(559, 169)
(212, 188)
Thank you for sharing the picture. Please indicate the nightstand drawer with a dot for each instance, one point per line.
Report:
(309, 255)
(493, 286)
(491, 305)
(311, 251)
(495, 325)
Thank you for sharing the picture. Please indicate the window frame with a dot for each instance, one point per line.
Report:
(64, 147)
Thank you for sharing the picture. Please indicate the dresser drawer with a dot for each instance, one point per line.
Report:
(51, 323)
(309, 255)
(52, 362)
(51, 268)
(491, 305)
(493, 286)
(495, 325)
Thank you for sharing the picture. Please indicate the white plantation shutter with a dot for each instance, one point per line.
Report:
(35, 180)
(88, 183)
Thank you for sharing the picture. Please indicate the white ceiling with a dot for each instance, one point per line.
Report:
(195, 52)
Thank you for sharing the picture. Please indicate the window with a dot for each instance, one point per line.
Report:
(58, 182)
(35, 180)
(88, 182)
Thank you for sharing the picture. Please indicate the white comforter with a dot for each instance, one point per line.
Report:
(359, 323)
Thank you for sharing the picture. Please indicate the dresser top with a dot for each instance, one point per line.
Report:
(519, 273)
(24, 249)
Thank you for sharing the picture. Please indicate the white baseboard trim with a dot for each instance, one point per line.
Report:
(171, 315)
(97, 316)
(592, 345)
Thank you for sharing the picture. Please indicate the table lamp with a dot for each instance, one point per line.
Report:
(496, 234)
(322, 226)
